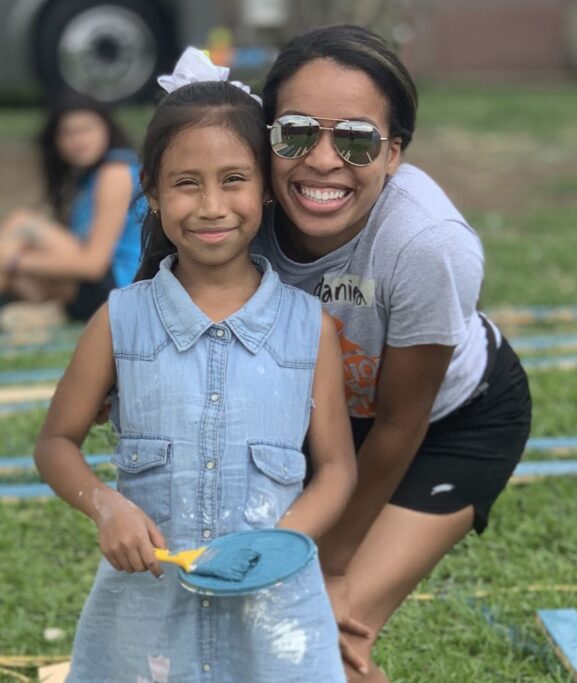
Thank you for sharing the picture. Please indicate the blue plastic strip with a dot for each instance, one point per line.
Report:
(30, 376)
(551, 443)
(547, 468)
(14, 351)
(561, 625)
(23, 491)
(552, 363)
(536, 313)
(9, 408)
(21, 462)
(548, 341)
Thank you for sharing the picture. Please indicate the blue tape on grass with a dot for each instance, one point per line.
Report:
(550, 363)
(16, 351)
(24, 491)
(547, 468)
(529, 314)
(548, 341)
(561, 626)
(31, 376)
(9, 408)
(22, 462)
(552, 443)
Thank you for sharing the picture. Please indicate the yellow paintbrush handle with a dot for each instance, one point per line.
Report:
(183, 559)
(164, 555)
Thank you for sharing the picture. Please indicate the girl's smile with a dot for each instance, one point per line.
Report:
(209, 195)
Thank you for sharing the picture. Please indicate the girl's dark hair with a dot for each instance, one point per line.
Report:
(356, 48)
(59, 175)
(209, 103)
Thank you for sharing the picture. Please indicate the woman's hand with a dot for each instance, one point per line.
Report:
(127, 535)
(103, 412)
(338, 590)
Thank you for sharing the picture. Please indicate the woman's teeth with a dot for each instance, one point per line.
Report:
(322, 195)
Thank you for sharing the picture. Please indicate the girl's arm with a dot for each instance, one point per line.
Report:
(409, 381)
(58, 253)
(330, 443)
(127, 535)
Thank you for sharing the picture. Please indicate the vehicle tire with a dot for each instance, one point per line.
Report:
(109, 49)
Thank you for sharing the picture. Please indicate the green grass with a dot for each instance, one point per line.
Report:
(530, 257)
(49, 552)
(544, 113)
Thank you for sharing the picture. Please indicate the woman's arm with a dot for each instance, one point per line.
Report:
(58, 253)
(330, 443)
(409, 381)
(127, 535)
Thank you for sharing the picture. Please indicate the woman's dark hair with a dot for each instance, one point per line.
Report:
(59, 175)
(352, 47)
(208, 103)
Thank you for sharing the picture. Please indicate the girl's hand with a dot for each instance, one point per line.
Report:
(127, 535)
(338, 590)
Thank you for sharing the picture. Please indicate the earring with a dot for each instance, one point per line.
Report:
(269, 202)
(156, 213)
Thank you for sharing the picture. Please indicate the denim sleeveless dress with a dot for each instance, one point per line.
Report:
(211, 420)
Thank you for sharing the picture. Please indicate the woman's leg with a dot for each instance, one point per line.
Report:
(400, 549)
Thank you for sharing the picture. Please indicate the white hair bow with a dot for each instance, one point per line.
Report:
(194, 66)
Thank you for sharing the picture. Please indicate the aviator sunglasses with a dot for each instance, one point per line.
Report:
(293, 136)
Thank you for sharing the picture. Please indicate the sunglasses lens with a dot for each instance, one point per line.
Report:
(357, 142)
(294, 136)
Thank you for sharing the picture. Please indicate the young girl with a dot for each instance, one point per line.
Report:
(218, 372)
(93, 242)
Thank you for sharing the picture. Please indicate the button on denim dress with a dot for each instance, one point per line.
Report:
(211, 418)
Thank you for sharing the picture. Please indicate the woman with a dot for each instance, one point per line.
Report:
(439, 403)
(93, 243)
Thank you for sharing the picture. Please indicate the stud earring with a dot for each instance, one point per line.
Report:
(156, 213)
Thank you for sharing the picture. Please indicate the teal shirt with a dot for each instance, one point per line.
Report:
(126, 256)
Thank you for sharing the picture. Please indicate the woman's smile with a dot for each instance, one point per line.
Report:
(318, 198)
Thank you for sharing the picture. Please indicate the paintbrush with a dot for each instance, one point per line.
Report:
(228, 563)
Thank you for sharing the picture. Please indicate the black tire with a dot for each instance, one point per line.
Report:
(109, 49)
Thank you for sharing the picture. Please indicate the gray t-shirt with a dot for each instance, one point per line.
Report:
(411, 276)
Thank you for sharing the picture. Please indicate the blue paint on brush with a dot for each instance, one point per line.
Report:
(227, 563)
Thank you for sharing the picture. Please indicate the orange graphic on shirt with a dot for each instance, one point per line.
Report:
(361, 373)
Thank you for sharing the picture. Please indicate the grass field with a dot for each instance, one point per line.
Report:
(510, 157)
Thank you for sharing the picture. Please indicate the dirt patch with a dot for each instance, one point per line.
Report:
(496, 172)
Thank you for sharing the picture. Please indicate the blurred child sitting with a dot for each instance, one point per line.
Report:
(92, 244)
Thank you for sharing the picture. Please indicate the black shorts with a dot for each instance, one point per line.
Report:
(467, 457)
(89, 297)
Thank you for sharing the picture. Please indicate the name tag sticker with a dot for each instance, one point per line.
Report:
(346, 289)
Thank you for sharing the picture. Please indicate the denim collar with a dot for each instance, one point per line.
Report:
(185, 323)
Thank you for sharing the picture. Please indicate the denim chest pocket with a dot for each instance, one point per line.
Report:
(275, 481)
(144, 475)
